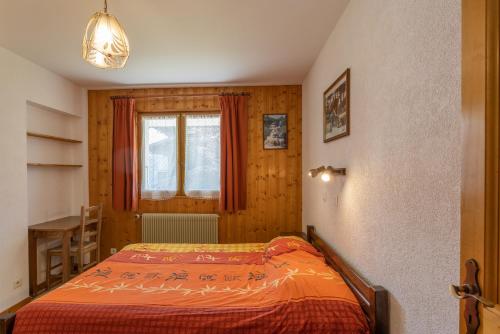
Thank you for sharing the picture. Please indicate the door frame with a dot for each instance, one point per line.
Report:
(480, 115)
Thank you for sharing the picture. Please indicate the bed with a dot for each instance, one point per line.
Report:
(285, 286)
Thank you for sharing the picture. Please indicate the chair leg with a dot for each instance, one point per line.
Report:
(48, 263)
(79, 259)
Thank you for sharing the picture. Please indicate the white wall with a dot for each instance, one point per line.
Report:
(22, 81)
(397, 215)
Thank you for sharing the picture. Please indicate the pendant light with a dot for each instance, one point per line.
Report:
(105, 44)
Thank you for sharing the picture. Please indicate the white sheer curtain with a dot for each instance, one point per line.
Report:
(159, 156)
(202, 174)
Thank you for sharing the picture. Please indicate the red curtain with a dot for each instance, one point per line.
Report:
(124, 155)
(234, 152)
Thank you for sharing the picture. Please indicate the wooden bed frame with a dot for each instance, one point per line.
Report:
(373, 299)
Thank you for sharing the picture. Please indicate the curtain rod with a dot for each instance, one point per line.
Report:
(180, 95)
(180, 111)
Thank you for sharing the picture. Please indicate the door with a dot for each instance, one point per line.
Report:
(492, 320)
(480, 227)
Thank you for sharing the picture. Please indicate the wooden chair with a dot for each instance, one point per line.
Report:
(88, 242)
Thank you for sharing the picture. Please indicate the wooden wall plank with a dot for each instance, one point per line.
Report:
(274, 176)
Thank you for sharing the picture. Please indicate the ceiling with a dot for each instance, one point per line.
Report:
(177, 41)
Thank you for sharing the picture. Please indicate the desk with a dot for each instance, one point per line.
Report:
(64, 229)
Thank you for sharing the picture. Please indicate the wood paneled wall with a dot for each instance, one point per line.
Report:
(274, 176)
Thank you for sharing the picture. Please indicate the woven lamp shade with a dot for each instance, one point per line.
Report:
(105, 44)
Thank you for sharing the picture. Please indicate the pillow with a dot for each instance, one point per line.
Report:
(282, 245)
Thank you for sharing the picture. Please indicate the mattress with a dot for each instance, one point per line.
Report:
(283, 286)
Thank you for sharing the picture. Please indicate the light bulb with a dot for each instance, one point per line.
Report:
(103, 35)
(325, 177)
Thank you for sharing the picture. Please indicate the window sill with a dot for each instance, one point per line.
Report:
(179, 197)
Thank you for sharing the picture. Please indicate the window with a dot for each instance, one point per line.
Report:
(180, 156)
(159, 156)
(202, 174)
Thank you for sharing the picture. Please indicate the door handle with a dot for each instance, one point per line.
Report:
(466, 291)
(470, 293)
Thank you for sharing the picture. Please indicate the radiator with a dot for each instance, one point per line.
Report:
(180, 228)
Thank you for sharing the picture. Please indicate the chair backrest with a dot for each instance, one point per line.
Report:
(90, 228)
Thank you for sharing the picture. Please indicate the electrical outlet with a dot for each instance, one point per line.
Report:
(18, 283)
(112, 251)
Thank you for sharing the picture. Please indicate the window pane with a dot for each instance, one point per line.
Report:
(159, 156)
(202, 155)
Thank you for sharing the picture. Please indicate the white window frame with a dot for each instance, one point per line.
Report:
(181, 156)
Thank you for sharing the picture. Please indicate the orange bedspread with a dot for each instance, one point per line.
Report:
(280, 287)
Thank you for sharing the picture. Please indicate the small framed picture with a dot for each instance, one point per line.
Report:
(275, 131)
(336, 122)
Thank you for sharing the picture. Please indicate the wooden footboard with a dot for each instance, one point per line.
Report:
(7, 323)
(373, 299)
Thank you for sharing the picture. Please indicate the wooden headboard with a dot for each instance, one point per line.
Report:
(373, 299)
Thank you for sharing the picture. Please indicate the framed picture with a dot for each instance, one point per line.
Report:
(336, 121)
(275, 131)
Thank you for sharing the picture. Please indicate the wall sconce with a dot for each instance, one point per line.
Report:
(326, 173)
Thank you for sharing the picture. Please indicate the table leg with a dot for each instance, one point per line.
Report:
(66, 256)
(32, 254)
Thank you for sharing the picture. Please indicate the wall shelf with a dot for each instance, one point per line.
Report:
(50, 137)
(36, 164)
(52, 110)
